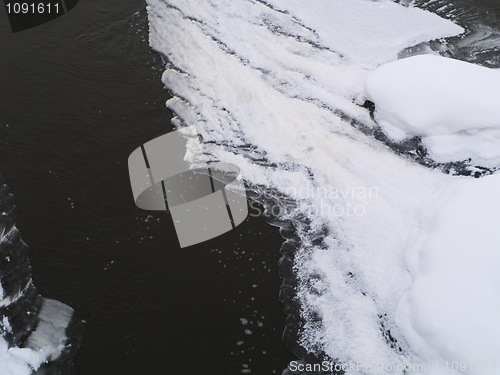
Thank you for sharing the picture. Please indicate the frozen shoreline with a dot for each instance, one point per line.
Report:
(249, 73)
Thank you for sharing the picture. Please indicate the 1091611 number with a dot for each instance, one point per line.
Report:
(27, 8)
(25, 14)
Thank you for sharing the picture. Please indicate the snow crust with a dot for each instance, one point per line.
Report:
(273, 87)
(451, 104)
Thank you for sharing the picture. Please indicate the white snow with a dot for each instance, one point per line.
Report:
(451, 310)
(251, 73)
(45, 343)
(17, 361)
(453, 306)
(451, 104)
(368, 32)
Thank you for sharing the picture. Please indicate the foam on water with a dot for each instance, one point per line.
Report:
(275, 87)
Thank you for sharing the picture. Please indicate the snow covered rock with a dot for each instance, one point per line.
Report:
(452, 105)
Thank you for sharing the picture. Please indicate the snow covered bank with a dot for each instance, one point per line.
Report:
(452, 308)
(272, 87)
(452, 105)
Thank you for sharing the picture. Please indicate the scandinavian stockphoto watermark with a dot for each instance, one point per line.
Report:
(313, 201)
(205, 200)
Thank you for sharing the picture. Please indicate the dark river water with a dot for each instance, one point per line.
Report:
(77, 96)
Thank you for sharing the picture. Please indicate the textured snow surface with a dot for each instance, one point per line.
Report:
(451, 104)
(273, 87)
